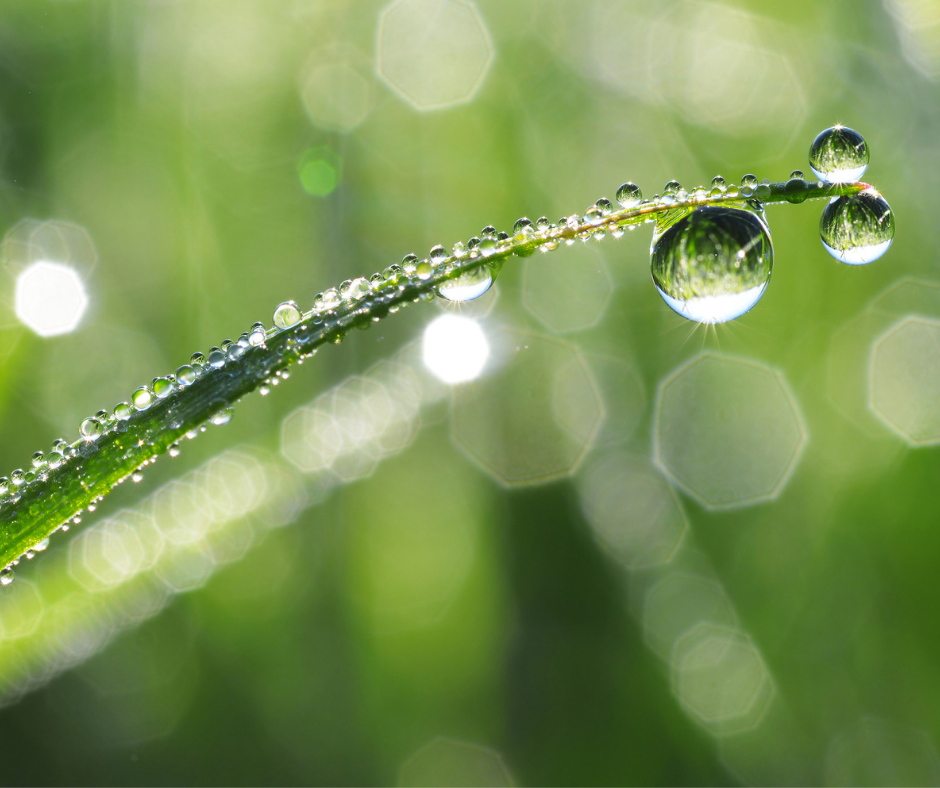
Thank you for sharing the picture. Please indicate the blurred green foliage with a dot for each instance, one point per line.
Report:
(225, 156)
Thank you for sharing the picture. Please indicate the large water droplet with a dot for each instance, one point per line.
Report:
(713, 264)
(857, 229)
(629, 195)
(467, 286)
(839, 155)
(286, 315)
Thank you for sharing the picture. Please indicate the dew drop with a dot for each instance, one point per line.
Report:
(221, 417)
(216, 358)
(438, 254)
(718, 183)
(488, 247)
(136, 477)
(6, 577)
(142, 398)
(857, 229)
(423, 270)
(39, 459)
(838, 155)
(629, 195)
(42, 545)
(186, 375)
(460, 250)
(123, 411)
(162, 387)
(90, 429)
(197, 360)
(174, 450)
(713, 264)
(468, 286)
(286, 315)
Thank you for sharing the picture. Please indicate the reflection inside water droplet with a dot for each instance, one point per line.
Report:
(857, 229)
(467, 286)
(713, 264)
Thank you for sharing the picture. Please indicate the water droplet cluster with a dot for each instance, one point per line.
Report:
(711, 260)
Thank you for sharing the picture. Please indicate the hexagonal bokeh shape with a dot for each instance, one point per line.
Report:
(50, 298)
(728, 431)
(433, 53)
(698, 50)
(32, 240)
(21, 608)
(532, 419)
(879, 752)
(567, 292)
(721, 680)
(904, 375)
(336, 94)
(632, 509)
(448, 762)
(680, 603)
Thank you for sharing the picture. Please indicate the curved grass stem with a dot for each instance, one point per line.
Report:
(44, 498)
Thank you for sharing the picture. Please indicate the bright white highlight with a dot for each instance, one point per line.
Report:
(50, 298)
(455, 348)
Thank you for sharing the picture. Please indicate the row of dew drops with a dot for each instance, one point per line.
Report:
(831, 160)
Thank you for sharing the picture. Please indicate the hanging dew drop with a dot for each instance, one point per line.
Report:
(221, 417)
(857, 229)
(467, 286)
(286, 315)
(839, 155)
(713, 264)
(6, 577)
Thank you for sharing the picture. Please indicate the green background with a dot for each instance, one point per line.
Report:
(176, 135)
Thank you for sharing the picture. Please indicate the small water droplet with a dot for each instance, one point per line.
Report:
(748, 185)
(286, 315)
(197, 360)
(593, 215)
(839, 155)
(671, 188)
(714, 264)
(90, 429)
(797, 174)
(857, 229)
(408, 263)
(122, 411)
(186, 375)
(460, 250)
(223, 416)
(142, 398)
(163, 387)
(216, 358)
(174, 450)
(39, 459)
(136, 476)
(488, 246)
(718, 183)
(438, 254)
(6, 576)
(424, 269)
(42, 545)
